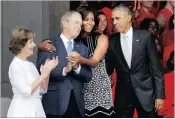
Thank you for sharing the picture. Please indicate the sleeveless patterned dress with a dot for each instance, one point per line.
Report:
(97, 93)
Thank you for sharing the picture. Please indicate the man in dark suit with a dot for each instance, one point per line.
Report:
(65, 96)
(132, 53)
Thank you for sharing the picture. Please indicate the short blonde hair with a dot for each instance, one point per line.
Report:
(19, 38)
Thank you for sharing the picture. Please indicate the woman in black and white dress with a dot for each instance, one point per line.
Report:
(97, 93)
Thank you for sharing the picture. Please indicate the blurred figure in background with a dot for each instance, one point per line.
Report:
(152, 25)
(107, 10)
(163, 18)
(101, 23)
(169, 41)
(170, 35)
(168, 110)
(146, 11)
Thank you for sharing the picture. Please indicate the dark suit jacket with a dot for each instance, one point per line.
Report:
(145, 74)
(56, 100)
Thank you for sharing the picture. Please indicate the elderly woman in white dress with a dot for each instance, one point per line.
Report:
(27, 83)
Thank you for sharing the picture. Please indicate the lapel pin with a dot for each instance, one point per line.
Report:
(137, 40)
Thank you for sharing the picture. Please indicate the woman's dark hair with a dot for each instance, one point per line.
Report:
(170, 64)
(97, 21)
(146, 22)
(171, 24)
(84, 11)
(19, 38)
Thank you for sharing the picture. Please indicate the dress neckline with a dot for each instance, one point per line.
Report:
(21, 59)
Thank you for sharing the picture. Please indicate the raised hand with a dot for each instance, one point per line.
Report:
(44, 72)
(51, 64)
(48, 66)
(68, 68)
(75, 58)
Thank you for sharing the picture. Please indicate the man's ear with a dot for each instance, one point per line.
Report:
(129, 17)
(64, 23)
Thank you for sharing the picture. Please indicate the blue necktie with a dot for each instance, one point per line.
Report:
(69, 47)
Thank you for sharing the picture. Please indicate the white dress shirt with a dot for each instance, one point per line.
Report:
(65, 42)
(129, 38)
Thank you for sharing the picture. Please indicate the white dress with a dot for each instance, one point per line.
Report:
(22, 74)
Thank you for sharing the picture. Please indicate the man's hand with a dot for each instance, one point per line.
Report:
(46, 45)
(159, 104)
(68, 68)
(75, 66)
(75, 58)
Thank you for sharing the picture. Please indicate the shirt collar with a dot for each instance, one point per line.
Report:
(65, 39)
(129, 33)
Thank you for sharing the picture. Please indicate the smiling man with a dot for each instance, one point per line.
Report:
(65, 96)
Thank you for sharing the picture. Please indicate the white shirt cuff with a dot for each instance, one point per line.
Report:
(77, 71)
(64, 73)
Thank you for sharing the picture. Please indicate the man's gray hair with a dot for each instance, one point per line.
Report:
(123, 8)
(66, 16)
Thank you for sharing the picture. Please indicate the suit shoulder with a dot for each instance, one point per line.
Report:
(112, 38)
(53, 38)
(143, 32)
(114, 35)
(80, 44)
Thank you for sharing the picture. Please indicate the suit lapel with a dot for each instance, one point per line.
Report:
(61, 50)
(135, 45)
